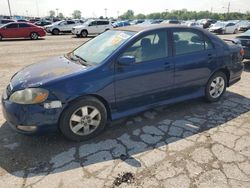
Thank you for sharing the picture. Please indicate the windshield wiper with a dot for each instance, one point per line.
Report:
(74, 57)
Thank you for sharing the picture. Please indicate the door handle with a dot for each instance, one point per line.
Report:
(167, 65)
(210, 58)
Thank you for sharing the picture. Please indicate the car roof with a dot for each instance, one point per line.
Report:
(139, 28)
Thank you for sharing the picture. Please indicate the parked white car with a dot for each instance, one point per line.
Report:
(193, 24)
(64, 26)
(224, 27)
(92, 27)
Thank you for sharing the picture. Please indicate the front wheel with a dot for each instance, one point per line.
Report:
(216, 87)
(34, 36)
(55, 32)
(84, 33)
(83, 119)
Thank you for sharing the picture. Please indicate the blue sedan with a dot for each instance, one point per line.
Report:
(119, 73)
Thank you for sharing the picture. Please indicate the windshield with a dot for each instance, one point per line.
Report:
(219, 24)
(96, 50)
(247, 32)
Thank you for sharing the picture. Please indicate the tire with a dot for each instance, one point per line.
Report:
(76, 122)
(1, 38)
(34, 36)
(55, 31)
(216, 87)
(84, 33)
(235, 31)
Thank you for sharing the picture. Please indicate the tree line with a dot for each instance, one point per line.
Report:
(77, 14)
(184, 14)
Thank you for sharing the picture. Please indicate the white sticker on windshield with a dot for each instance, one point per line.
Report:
(124, 35)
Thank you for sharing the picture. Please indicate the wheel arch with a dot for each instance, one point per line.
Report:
(225, 71)
(85, 30)
(98, 97)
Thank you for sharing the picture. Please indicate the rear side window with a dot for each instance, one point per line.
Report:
(11, 26)
(102, 22)
(150, 47)
(188, 42)
(70, 22)
(23, 25)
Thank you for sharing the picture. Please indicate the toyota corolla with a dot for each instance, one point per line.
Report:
(119, 73)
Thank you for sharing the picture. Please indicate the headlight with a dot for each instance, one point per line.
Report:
(29, 96)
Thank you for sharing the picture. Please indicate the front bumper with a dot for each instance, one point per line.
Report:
(75, 32)
(26, 116)
(48, 30)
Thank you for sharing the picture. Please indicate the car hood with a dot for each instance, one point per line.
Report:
(43, 72)
(79, 26)
(50, 25)
(216, 27)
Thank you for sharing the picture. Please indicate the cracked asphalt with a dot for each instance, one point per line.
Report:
(189, 144)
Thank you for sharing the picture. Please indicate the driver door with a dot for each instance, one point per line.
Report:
(92, 27)
(149, 79)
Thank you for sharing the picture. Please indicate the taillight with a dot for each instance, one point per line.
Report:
(242, 52)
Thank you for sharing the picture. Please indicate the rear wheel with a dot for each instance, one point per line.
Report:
(216, 87)
(55, 31)
(34, 36)
(84, 33)
(83, 119)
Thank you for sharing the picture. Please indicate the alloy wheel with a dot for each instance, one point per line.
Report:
(34, 36)
(85, 120)
(217, 87)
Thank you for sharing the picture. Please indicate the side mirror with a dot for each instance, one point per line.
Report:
(126, 60)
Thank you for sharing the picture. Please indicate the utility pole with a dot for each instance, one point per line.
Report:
(57, 12)
(106, 10)
(9, 8)
(228, 8)
(118, 13)
(37, 9)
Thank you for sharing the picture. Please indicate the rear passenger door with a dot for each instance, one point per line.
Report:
(69, 25)
(195, 57)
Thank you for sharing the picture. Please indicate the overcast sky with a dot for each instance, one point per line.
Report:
(95, 8)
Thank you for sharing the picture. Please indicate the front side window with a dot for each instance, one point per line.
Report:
(23, 25)
(98, 49)
(150, 47)
(93, 23)
(188, 42)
